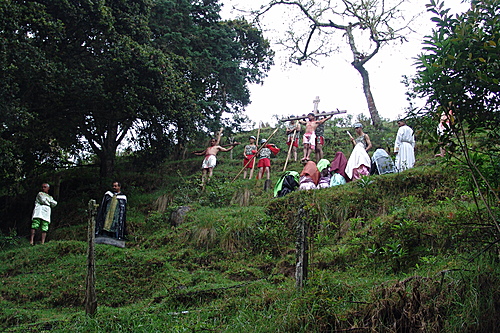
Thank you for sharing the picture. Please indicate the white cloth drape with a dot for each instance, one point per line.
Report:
(404, 146)
(358, 157)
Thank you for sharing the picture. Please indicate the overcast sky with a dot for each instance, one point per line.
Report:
(290, 89)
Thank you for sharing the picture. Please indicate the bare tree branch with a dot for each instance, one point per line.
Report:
(370, 23)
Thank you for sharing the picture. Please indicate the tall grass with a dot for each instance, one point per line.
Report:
(399, 253)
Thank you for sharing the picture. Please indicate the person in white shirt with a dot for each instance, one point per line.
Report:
(41, 214)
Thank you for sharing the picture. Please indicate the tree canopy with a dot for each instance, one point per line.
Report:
(82, 75)
(461, 64)
(459, 75)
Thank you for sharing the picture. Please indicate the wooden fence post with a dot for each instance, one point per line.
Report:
(302, 247)
(90, 295)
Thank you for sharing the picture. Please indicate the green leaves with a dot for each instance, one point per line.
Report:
(459, 75)
(462, 52)
(91, 70)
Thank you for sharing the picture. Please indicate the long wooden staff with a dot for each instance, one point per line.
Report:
(257, 153)
(290, 149)
(350, 136)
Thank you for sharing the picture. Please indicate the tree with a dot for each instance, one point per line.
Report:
(219, 57)
(461, 64)
(366, 25)
(459, 73)
(88, 72)
(26, 146)
(83, 70)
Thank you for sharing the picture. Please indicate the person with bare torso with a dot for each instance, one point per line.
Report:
(210, 159)
(309, 138)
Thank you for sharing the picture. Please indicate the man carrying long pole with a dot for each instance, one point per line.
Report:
(253, 161)
(258, 151)
(248, 156)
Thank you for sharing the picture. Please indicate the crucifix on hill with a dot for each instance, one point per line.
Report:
(302, 243)
(315, 111)
(317, 125)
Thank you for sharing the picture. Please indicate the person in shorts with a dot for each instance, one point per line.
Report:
(248, 155)
(41, 214)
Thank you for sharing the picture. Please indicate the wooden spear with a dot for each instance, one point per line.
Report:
(290, 149)
(254, 156)
(257, 153)
(350, 135)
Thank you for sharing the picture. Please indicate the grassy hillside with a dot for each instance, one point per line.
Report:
(403, 252)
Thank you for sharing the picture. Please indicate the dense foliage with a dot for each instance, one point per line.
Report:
(79, 76)
(459, 75)
(461, 64)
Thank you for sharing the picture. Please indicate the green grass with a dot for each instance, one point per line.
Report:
(390, 253)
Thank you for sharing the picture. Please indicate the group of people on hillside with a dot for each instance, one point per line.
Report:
(110, 221)
(358, 164)
(341, 170)
(359, 161)
(251, 151)
(253, 156)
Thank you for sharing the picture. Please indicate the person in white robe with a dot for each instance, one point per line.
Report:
(404, 147)
(359, 162)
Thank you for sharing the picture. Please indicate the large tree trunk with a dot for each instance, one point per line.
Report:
(107, 165)
(358, 63)
(108, 152)
(372, 108)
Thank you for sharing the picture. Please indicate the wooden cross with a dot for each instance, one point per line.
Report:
(321, 114)
(316, 112)
(316, 102)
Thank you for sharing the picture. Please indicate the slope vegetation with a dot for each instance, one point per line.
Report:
(405, 252)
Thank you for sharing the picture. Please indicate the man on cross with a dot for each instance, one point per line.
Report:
(309, 138)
